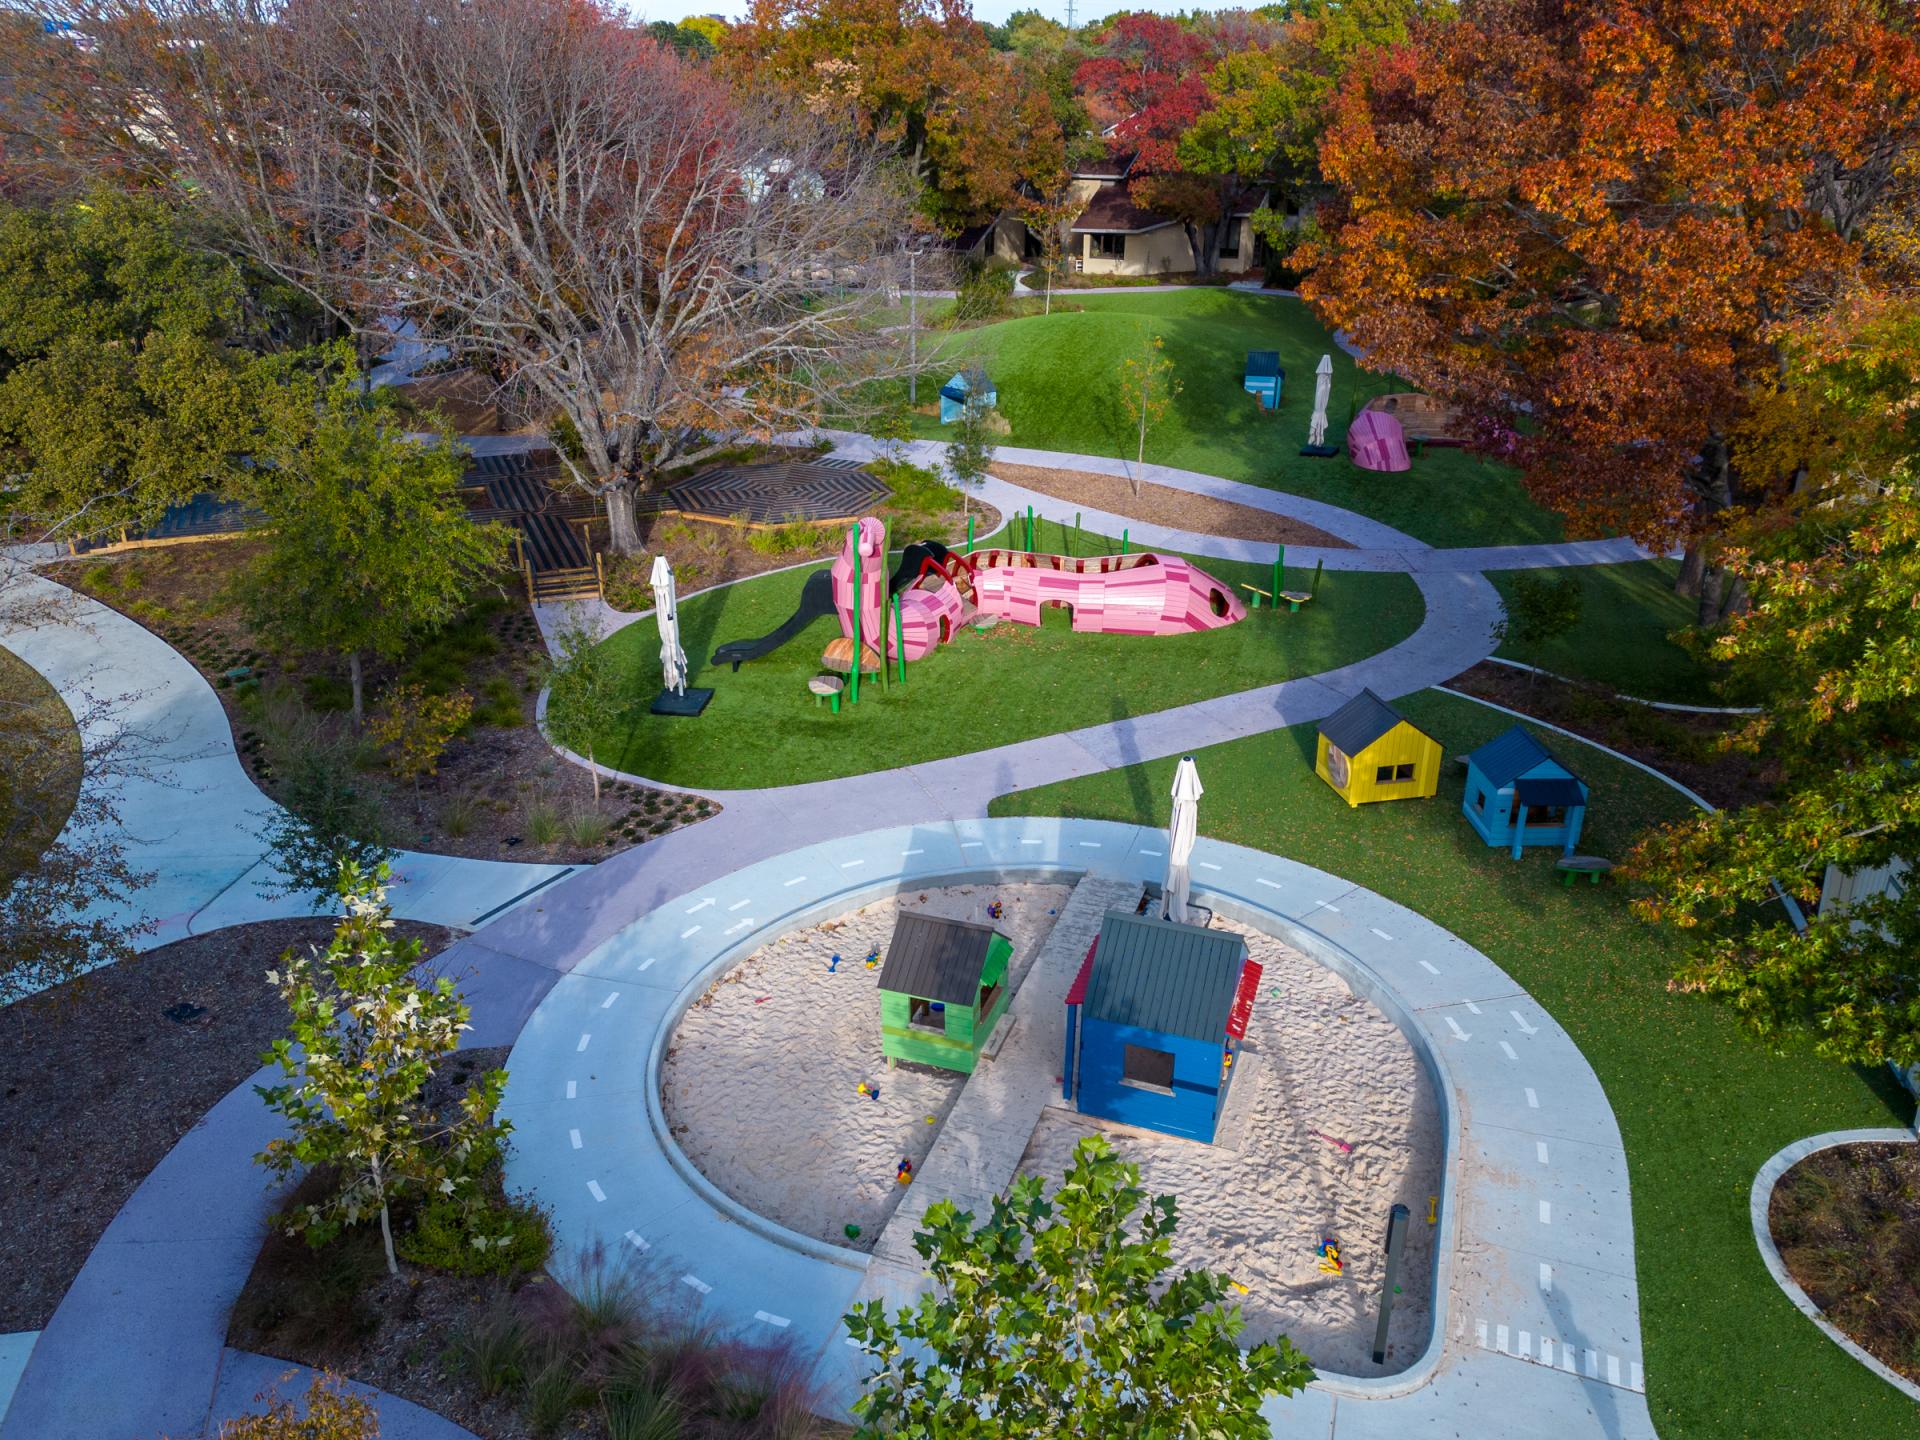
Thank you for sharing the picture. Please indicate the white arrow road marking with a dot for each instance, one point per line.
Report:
(1525, 1028)
(1458, 1033)
(696, 909)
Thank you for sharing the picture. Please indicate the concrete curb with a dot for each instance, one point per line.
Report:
(1760, 1203)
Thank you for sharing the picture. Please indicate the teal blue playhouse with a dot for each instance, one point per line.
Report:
(1264, 377)
(1154, 1020)
(1519, 795)
(957, 391)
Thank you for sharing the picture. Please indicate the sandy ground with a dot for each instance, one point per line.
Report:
(761, 1083)
(1164, 505)
(1329, 1062)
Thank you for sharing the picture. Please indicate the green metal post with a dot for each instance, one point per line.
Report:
(1318, 566)
(1123, 542)
(1076, 532)
(1279, 572)
(969, 534)
(899, 641)
(853, 678)
(1029, 529)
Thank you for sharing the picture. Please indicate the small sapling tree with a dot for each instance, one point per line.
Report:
(416, 727)
(970, 451)
(1147, 388)
(365, 1038)
(583, 697)
(1063, 1315)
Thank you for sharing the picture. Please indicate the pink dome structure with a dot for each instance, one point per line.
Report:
(1375, 441)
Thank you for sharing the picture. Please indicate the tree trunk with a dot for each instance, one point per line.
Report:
(358, 681)
(1710, 587)
(593, 769)
(1202, 251)
(1141, 456)
(386, 1238)
(1693, 565)
(623, 529)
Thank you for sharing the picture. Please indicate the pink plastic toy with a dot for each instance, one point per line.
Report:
(1138, 594)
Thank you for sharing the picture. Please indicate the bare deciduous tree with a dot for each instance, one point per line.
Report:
(669, 267)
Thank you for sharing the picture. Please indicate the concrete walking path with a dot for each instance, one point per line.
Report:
(1536, 1302)
(192, 814)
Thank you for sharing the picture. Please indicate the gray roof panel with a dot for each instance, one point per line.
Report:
(936, 959)
(1177, 979)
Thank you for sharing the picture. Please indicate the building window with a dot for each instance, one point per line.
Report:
(989, 997)
(1110, 247)
(1480, 802)
(1230, 241)
(927, 1015)
(1147, 1069)
(1393, 775)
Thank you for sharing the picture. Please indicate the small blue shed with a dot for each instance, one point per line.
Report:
(1518, 794)
(955, 393)
(1154, 1019)
(1264, 377)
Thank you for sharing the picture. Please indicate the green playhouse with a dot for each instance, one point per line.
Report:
(942, 990)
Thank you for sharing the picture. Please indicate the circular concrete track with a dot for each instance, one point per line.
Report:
(1536, 1310)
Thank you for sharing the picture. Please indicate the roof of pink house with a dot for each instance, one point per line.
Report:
(1376, 442)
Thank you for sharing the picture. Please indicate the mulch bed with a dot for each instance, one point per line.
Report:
(97, 1083)
(1163, 505)
(1847, 1222)
(498, 785)
(1675, 743)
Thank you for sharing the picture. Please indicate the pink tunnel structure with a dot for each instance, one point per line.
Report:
(1139, 594)
(1376, 442)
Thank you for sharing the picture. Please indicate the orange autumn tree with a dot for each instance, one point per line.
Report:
(1588, 224)
(922, 76)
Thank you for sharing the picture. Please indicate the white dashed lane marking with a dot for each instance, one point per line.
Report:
(1270, 884)
(1546, 1279)
(573, 1089)
(1208, 865)
(593, 1189)
(574, 1136)
(1381, 933)
(689, 932)
(738, 905)
(696, 909)
(777, 1321)
(796, 880)
(1546, 1212)
(585, 1036)
(607, 1004)
(696, 1283)
(1533, 1100)
(1540, 1151)
(1426, 965)
(633, 1236)
(851, 864)
(647, 963)
(1508, 1051)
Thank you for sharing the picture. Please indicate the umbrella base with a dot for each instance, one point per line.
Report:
(691, 703)
(1320, 452)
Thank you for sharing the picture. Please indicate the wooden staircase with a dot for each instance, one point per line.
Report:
(556, 563)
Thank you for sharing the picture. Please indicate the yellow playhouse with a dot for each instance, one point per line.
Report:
(1369, 751)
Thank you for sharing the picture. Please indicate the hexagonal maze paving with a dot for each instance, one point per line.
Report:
(775, 494)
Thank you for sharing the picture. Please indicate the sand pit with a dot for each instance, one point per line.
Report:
(760, 1082)
(1329, 1062)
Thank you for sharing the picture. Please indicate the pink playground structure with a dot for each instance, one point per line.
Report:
(1376, 442)
(940, 590)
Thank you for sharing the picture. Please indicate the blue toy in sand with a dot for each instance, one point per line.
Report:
(957, 391)
(1264, 377)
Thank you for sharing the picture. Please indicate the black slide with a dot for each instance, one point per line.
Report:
(816, 601)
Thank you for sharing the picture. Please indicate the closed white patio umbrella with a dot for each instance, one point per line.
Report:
(666, 611)
(1322, 393)
(1180, 835)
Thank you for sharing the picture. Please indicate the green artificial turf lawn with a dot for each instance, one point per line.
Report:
(1010, 683)
(1058, 381)
(1626, 614)
(1700, 1106)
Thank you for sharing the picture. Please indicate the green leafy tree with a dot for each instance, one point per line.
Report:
(583, 695)
(126, 378)
(327, 820)
(1539, 609)
(416, 726)
(369, 548)
(364, 1040)
(970, 451)
(1147, 389)
(1063, 1315)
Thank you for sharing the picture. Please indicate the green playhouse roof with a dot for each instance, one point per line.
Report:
(1360, 722)
(936, 959)
(1159, 975)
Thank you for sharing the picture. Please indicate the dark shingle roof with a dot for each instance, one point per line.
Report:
(1510, 755)
(936, 959)
(1112, 209)
(1263, 362)
(1177, 979)
(1360, 722)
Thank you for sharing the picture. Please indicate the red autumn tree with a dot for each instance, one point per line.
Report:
(921, 75)
(1148, 76)
(1591, 223)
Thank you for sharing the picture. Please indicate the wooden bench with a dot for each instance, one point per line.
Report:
(1571, 867)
